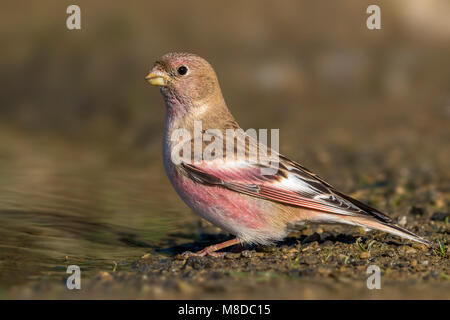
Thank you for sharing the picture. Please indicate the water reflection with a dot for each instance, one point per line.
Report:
(59, 208)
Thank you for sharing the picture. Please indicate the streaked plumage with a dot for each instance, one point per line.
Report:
(234, 194)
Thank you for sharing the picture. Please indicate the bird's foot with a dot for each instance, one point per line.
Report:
(211, 250)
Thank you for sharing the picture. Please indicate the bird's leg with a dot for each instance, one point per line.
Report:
(211, 250)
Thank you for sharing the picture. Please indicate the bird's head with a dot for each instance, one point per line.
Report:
(185, 76)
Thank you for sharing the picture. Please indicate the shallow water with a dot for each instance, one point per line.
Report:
(60, 207)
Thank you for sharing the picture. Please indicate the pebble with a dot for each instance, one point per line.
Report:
(399, 190)
(293, 250)
(439, 216)
(390, 253)
(420, 246)
(425, 263)
(365, 255)
(406, 250)
(417, 211)
(402, 221)
(180, 257)
(413, 263)
(323, 271)
(246, 254)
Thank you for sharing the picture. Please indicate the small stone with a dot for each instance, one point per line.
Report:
(413, 263)
(323, 271)
(365, 255)
(400, 190)
(246, 254)
(420, 246)
(439, 216)
(145, 256)
(402, 221)
(424, 263)
(319, 230)
(307, 248)
(439, 202)
(406, 250)
(180, 257)
(417, 211)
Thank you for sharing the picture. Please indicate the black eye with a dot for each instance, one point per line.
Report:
(182, 70)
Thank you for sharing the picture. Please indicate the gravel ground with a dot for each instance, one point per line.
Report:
(315, 263)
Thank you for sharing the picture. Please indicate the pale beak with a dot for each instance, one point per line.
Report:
(157, 78)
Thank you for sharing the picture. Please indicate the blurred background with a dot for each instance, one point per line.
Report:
(81, 178)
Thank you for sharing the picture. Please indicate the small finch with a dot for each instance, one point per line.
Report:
(233, 193)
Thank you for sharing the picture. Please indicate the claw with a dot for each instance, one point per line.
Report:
(211, 250)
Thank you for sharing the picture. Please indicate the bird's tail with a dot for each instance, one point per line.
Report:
(371, 223)
(401, 232)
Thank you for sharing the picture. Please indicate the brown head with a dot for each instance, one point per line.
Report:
(191, 90)
(185, 77)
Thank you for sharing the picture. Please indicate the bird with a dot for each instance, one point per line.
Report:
(235, 194)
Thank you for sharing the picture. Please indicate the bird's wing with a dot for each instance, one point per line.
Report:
(291, 184)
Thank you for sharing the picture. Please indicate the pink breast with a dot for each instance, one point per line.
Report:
(225, 208)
